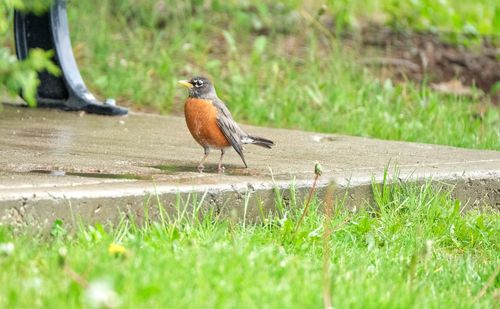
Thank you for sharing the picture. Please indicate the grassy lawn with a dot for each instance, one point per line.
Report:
(275, 65)
(417, 250)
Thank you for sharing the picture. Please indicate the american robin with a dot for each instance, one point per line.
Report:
(211, 123)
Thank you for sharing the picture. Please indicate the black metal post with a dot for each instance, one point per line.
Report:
(50, 31)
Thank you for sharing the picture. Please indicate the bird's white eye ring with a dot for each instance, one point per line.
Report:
(198, 83)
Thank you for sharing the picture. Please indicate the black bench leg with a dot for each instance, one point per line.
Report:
(50, 31)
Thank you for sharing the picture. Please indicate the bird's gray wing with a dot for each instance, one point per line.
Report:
(230, 128)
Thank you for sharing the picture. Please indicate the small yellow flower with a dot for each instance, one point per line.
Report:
(115, 249)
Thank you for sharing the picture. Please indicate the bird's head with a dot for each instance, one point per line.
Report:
(199, 87)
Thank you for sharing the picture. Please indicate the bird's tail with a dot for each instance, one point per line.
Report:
(260, 141)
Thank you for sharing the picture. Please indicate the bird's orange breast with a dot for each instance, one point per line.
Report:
(201, 119)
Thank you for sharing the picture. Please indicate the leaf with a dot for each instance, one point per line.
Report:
(230, 41)
(30, 83)
(453, 86)
(58, 230)
(259, 45)
(21, 76)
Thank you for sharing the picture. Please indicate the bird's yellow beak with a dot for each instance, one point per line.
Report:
(185, 83)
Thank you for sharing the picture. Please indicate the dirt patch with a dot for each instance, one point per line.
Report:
(416, 56)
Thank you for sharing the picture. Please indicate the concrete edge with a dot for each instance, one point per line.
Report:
(474, 190)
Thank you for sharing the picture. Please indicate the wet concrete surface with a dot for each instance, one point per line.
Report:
(51, 160)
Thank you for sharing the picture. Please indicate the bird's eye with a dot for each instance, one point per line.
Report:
(198, 83)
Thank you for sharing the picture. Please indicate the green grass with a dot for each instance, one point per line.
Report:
(270, 65)
(273, 67)
(414, 248)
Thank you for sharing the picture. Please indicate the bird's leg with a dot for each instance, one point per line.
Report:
(201, 167)
(220, 168)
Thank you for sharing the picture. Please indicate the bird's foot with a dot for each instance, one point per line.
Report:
(220, 169)
(200, 168)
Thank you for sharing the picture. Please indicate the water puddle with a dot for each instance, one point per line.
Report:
(323, 138)
(58, 173)
(231, 170)
(171, 168)
(166, 169)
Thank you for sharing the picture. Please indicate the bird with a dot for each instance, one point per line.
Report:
(211, 124)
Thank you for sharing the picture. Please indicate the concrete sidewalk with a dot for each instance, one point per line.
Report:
(59, 165)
